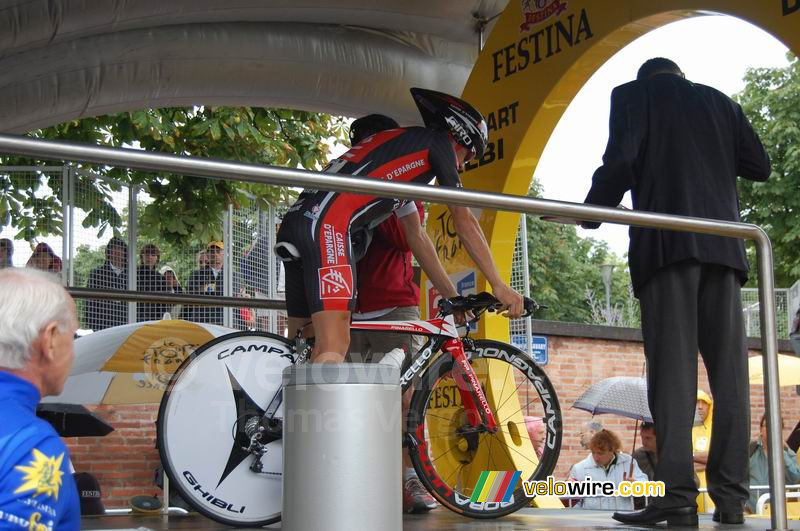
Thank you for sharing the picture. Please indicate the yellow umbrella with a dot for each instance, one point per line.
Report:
(788, 370)
(132, 364)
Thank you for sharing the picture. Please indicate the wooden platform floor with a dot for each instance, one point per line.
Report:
(440, 520)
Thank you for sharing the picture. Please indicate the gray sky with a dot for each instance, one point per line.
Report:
(713, 50)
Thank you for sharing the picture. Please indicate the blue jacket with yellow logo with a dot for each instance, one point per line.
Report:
(37, 491)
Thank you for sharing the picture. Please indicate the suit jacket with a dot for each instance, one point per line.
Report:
(100, 314)
(678, 146)
(203, 282)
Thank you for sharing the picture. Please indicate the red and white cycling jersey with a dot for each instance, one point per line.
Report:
(319, 224)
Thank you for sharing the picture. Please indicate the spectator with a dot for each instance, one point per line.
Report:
(701, 441)
(606, 463)
(678, 147)
(43, 258)
(38, 321)
(6, 253)
(759, 467)
(201, 259)
(112, 275)
(647, 455)
(588, 431)
(149, 279)
(536, 432)
(173, 286)
(208, 280)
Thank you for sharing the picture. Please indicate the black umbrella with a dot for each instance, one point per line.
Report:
(73, 420)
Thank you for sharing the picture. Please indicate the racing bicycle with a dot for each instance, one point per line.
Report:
(219, 427)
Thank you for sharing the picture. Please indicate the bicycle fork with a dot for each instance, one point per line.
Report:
(479, 415)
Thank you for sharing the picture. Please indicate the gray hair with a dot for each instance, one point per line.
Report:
(594, 426)
(30, 300)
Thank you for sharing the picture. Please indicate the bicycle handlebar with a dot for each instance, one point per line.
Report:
(482, 302)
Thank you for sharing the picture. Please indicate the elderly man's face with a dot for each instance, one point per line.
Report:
(61, 348)
(586, 436)
(215, 256)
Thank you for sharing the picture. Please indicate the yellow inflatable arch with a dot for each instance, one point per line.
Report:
(539, 55)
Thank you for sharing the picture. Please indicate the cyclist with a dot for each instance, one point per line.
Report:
(387, 292)
(314, 238)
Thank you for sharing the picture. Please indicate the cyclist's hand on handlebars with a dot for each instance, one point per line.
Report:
(513, 302)
(462, 317)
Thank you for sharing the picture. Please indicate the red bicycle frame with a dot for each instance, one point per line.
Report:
(469, 388)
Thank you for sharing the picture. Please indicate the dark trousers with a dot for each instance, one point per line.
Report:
(686, 307)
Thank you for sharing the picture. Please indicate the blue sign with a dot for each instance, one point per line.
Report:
(538, 347)
(466, 286)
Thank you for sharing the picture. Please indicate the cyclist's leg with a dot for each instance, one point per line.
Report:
(298, 315)
(332, 328)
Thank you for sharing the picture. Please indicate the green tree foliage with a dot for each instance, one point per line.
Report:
(564, 268)
(771, 99)
(184, 208)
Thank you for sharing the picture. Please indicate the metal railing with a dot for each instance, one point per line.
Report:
(292, 177)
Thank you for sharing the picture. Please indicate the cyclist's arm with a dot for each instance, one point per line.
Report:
(425, 253)
(471, 235)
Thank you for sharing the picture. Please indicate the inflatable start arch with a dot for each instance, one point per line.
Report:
(539, 55)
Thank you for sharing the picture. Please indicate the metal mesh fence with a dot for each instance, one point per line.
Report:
(35, 195)
(255, 267)
(520, 329)
(752, 314)
(94, 260)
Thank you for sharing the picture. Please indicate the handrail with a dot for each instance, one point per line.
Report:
(218, 169)
(174, 298)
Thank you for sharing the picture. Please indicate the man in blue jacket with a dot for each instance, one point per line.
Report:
(38, 321)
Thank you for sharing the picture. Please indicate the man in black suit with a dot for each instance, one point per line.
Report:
(678, 147)
(208, 280)
(112, 275)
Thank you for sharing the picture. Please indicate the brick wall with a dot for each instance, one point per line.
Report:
(124, 460)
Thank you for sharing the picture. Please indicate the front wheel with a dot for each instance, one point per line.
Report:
(450, 458)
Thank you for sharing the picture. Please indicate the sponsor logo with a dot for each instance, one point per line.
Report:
(336, 282)
(32, 523)
(328, 242)
(210, 498)
(42, 475)
(266, 349)
(544, 394)
(417, 366)
(537, 11)
(405, 168)
(543, 43)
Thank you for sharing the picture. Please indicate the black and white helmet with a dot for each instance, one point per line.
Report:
(442, 111)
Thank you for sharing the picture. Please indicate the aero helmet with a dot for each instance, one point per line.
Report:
(465, 123)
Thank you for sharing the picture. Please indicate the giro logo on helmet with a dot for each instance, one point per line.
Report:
(462, 120)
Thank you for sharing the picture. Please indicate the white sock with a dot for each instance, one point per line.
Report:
(409, 473)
